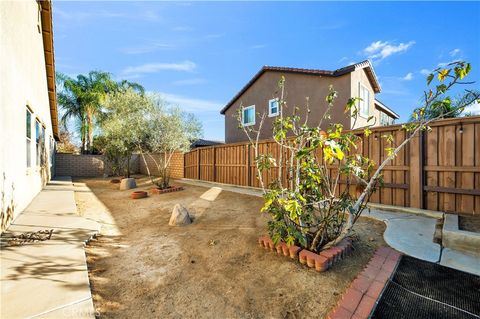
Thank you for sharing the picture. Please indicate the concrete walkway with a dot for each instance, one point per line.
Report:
(48, 279)
(410, 231)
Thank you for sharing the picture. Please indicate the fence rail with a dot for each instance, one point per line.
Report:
(437, 170)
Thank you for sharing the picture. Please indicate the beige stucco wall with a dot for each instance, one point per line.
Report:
(297, 88)
(359, 76)
(23, 82)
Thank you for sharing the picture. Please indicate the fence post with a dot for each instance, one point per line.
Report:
(416, 171)
(249, 180)
(198, 163)
(214, 165)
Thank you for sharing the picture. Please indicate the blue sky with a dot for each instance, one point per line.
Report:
(199, 55)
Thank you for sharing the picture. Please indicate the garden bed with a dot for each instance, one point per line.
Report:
(141, 267)
(169, 189)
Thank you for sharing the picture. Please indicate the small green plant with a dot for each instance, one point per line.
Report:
(304, 200)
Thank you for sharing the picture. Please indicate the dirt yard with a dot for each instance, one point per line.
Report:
(142, 268)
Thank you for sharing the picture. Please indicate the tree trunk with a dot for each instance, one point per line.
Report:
(128, 166)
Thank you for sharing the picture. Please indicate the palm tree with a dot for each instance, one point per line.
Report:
(82, 99)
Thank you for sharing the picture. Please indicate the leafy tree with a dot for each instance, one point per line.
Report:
(66, 144)
(449, 108)
(124, 127)
(304, 199)
(82, 100)
(170, 130)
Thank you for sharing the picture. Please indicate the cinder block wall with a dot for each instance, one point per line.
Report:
(176, 165)
(87, 165)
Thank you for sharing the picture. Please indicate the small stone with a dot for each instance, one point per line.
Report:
(371, 239)
(127, 183)
(179, 216)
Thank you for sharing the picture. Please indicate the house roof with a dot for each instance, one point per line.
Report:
(47, 34)
(203, 143)
(367, 65)
(386, 109)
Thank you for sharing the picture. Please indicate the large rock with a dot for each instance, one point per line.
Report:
(179, 216)
(127, 183)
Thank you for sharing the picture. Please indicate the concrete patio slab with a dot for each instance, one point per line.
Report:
(51, 276)
(79, 310)
(231, 188)
(410, 234)
(461, 261)
(454, 238)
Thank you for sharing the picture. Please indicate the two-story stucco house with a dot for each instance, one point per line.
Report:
(28, 111)
(261, 93)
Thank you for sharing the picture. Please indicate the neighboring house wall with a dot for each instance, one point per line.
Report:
(297, 88)
(23, 85)
(358, 79)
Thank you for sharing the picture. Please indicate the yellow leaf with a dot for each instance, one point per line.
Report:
(443, 74)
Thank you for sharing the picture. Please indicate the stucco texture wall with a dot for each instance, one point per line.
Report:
(23, 83)
(297, 88)
(360, 77)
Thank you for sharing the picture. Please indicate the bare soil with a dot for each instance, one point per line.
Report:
(140, 267)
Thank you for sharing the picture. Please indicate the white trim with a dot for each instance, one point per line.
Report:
(360, 86)
(243, 113)
(270, 114)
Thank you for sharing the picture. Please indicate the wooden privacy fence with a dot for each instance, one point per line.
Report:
(437, 170)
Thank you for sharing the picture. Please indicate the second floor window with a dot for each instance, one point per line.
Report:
(364, 94)
(248, 115)
(273, 108)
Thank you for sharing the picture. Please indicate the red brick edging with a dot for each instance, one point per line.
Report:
(166, 190)
(360, 298)
(320, 262)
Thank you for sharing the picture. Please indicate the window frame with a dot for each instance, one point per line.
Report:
(270, 102)
(243, 115)
(28, 136)
(38, 138)
(363, 101)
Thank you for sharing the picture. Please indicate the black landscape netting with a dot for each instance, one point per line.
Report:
(421, 289)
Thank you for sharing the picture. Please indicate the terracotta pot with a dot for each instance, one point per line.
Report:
(138, 194)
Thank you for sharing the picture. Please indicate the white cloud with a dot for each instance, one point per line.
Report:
(189, 81)
(380, 50)
(473, 109)
(455, 52)
(425, 72)
(156, 67)
(192, 104)
(408, 77)
(444, 64)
